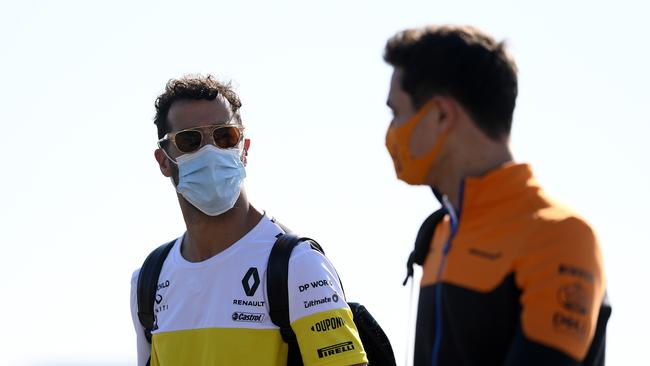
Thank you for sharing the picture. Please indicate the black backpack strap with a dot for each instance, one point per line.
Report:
(147, 286)
(423, 241)
(277, 289)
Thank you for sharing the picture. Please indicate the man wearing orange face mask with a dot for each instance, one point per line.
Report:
(510, 277)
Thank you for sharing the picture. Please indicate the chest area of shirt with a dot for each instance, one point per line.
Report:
(477, 257)
(230, 296)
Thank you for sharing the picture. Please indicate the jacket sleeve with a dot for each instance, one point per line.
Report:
(526, 352)
(143, 347)
(562, 284)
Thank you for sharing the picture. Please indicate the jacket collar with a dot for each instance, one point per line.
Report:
(502, 184)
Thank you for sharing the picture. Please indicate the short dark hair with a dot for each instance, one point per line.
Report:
(193, 87)
(461, 62)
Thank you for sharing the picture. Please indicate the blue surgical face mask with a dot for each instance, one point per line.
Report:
(210, 179)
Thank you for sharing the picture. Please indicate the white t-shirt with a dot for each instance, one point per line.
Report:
(215, 312)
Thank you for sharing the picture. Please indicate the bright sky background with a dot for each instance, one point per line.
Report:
(82, 201)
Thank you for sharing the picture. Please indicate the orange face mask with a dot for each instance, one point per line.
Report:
(410, 169)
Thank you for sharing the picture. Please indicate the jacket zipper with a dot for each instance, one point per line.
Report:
(454, 220)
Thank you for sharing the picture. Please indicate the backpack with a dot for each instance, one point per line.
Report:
(423, 241)
(375, 341)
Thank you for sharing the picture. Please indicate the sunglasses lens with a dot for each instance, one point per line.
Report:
(188, 141)
(226, 137)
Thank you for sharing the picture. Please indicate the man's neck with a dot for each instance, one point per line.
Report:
(207, 236)
(479, 164)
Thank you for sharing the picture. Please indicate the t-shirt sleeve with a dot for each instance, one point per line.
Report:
(562, 285)
(143, 347)
(318, 312)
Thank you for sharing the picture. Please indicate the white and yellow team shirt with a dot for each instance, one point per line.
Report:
(216, 312)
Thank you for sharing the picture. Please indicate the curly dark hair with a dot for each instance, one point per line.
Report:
(461, 62)
(193, 87)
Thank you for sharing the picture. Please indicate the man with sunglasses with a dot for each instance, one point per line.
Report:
(211, 303)
(510, 277)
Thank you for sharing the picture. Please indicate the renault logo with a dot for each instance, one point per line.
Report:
(250, 288)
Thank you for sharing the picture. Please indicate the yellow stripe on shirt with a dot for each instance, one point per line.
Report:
(219, 346)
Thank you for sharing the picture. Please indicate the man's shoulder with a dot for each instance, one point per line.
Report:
(564, 226)
(559, 235)
(304, 254)
(308, 263)
(136, 272)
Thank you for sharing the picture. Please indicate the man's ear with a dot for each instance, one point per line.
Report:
(163, 162)
(244, 154)
(447, 108)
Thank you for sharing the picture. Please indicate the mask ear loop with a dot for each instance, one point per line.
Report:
(171, 177)
(245, 145)
(167, 155)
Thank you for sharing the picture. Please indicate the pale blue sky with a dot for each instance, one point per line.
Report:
(82, 200)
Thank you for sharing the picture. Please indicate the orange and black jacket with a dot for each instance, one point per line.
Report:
(511, 278)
